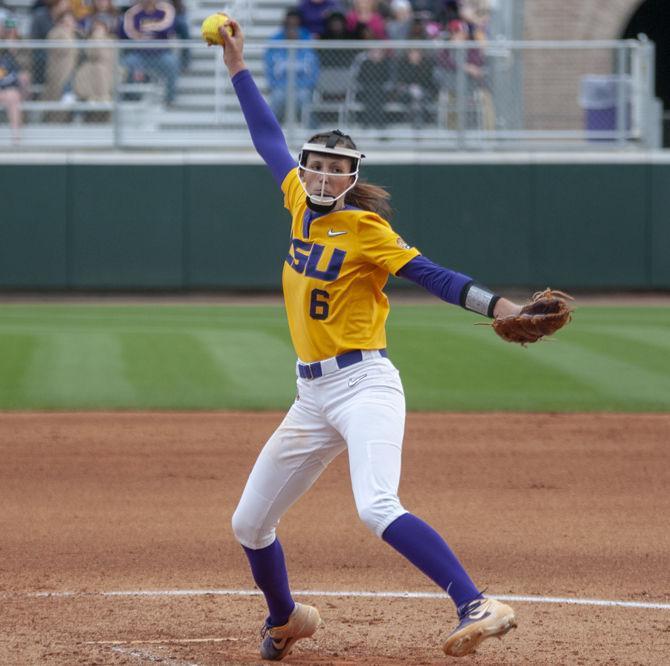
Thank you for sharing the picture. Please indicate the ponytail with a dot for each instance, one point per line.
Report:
(367, 196)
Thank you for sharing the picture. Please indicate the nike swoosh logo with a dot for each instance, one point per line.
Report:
(332, 233)
(478, 615)
(356, 380)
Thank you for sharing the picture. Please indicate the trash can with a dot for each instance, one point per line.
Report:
(599, 97)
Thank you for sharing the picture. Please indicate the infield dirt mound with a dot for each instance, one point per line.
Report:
(547, 505)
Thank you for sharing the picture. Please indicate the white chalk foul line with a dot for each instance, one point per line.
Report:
(533, 599)
(164, 641)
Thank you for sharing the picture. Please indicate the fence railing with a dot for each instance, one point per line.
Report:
(415, 95)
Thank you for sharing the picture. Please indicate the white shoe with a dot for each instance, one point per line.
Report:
(278, 641)
(480, 619)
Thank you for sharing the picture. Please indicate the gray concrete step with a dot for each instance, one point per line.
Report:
(272, 16)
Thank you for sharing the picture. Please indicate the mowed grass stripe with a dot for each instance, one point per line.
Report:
(137, 317)
(174, 371)
(619, 375)
(650, 338)
(644, 347)
(474, 370)
(77, 368)
(218, 357)
(16, 353)
(582, 368)
(260, 367)
(617, 381)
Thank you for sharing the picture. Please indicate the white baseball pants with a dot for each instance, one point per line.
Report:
(360, 408)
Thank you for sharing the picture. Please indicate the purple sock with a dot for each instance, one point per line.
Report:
(269, 571)
(429, 552)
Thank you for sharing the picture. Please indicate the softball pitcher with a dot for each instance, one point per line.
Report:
(350, 397)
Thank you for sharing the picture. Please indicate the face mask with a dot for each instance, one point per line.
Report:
(324, 203)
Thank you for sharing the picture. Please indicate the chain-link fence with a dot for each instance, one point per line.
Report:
(418, 95)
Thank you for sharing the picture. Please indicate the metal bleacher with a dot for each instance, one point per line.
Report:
(514, 109)
(195, 105)
(203, 110)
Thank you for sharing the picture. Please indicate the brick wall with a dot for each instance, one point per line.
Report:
(552, 79)
(577, 19)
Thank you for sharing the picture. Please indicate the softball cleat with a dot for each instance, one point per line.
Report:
(278, 641)
(480, 619)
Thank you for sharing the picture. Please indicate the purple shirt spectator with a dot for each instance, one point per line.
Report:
(315, 12)
(149, 19)
(460, 31)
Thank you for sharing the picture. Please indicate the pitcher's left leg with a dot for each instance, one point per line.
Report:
(372, 423)
(374, 432)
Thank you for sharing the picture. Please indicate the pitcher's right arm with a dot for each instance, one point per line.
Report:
(266, 133)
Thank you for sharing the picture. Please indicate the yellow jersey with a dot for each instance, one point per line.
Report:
(334, 275)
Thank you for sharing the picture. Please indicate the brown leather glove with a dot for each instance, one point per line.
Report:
(546, 312)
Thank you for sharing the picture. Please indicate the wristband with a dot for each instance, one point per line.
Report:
(478, 299)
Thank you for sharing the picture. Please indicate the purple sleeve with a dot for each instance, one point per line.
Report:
(441, 282)
(266, 134)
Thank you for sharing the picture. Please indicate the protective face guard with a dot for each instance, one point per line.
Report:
(323, 203)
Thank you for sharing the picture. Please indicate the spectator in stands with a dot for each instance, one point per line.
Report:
(104, 12)
(473, 63)
(424, 26)
(61, 64)
(477, 14)
(446, 11)
(314, 13)
(182, 30)
(151, 20)
(23, 57)
(336, 29)
(475, 18)
(373, 85)
(277, 61)
(44, 15)
(44, 18)
(416, 86)
(94, 80)
(428, 7)
(417, 26)
(398, 25)
(14, 81)
(364, 14)
(474, 66)
(81, 9)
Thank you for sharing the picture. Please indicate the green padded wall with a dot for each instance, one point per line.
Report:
(34, 230)
(659, 234)
(477, 219)
(223, 226)
(127, 226)
(590, 225)
(237, 231)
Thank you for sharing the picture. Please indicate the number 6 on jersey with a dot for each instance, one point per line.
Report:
(318, 309)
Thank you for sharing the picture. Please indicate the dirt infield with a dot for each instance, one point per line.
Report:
(571, 506)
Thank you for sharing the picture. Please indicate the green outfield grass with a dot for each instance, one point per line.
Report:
(240, 357)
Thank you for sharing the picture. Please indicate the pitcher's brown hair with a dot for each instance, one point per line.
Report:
(362, 195)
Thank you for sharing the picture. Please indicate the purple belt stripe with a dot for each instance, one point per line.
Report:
(314, 370)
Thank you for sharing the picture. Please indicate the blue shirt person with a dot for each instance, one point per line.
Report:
(306, 69)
